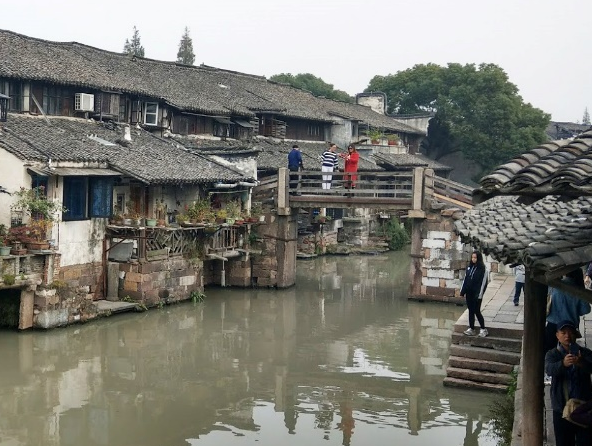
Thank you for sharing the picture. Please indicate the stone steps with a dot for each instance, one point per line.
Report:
(474, 385)
(460, 362)
(497, 330)
(485, 354)
(480, 376)
(496, 343)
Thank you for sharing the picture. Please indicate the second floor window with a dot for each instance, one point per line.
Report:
(151, 111)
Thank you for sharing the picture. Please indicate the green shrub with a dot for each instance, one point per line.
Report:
(396, 235)
(502, 413)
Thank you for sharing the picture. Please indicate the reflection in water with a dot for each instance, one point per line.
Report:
(342, 358)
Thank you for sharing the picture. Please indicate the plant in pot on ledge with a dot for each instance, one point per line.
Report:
(42, 212)
(375, 135)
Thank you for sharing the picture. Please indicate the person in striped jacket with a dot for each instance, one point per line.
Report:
(329, 164)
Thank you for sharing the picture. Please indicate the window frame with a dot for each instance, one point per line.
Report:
(89, 186)
(146, 112)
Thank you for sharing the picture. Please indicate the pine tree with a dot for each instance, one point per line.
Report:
(185, 53)
(586, 118)
(134, 47)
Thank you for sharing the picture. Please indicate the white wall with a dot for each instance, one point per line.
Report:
(80, 242)
(376, 103)
(13, 176)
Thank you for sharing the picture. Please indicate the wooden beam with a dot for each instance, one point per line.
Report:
(535, 304)
(579, 292)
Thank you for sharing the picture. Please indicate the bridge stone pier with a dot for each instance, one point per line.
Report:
(438, 258)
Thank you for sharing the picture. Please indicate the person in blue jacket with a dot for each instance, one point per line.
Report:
(565, 307)
(570, 367)
(473, 288)
(295, 163)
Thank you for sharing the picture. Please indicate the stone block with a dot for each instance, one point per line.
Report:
(437, 291)
(429, 243)
(443, 235)
(130, 286)
(440, 273)
(430, 282)
(187, 280)
(437, 263)
(72, 273)
(129, 267)
(453, 283)
(133, 277)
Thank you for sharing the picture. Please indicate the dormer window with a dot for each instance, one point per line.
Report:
(151, 112)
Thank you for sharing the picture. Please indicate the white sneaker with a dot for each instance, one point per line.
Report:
(483, 333)
(470, 332)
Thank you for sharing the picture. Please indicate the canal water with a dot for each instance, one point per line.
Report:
(342, 358)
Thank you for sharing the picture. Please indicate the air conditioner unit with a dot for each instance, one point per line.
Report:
(84, 102)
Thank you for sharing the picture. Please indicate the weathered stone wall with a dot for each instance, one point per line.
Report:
(55, 307)
(444, 258)
(169, 280)
(356, 230)
(318, 242)
(87, 275)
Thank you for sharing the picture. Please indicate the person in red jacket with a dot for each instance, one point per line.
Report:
(351, 164)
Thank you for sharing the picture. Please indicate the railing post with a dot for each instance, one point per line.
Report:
(283, 192)
(417, 192)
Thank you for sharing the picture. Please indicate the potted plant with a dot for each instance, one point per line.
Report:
(4, 241)
(374, 134)
(4, 249)
(322, 219)
(38, 230)
(233, 208)
(255, 212)
(393, 139)
(221, 216)
(160, 214)
(35, 203)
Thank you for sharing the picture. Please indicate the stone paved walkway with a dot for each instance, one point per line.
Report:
(500, 313)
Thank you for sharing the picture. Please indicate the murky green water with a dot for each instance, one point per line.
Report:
(343, 358)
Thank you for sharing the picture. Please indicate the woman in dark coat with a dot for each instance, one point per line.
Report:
(473, 288)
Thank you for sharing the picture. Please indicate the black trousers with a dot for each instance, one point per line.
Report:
(569, 434)
(474, 309)
(293, 178)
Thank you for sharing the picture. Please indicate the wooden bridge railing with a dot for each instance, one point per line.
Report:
(402, 190)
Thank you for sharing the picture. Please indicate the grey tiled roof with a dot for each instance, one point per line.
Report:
(408, 160)
(274, 154)
(548, 234)
(555, 230)
(201, 89)
(147, 157)
(559, 167)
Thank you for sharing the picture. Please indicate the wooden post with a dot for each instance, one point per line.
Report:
(535, 304)
(417, 183)
(283, 192)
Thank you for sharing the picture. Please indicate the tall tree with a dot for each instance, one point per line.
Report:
(133, 47)
(586, 118)
(185, 53)
(476, 110)
(313, 84)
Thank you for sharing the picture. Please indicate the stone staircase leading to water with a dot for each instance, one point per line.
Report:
(483, 363)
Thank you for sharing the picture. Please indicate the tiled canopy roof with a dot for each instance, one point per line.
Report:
(200, 89)
(558, 167)
(552, 233)
(147, 158)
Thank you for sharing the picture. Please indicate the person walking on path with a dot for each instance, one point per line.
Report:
(295, 163)
(588, 277)
(329, 164)
(473, 288)
(570, 367)
(351, 165)
(564, 307)
(520, 272)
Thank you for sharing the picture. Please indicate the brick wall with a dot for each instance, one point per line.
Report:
(84, 275)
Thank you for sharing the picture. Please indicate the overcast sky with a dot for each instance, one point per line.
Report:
(545, 46)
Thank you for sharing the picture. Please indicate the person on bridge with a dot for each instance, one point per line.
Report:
(329, 164)
(473, 288)
(295, 163)
(351, 165)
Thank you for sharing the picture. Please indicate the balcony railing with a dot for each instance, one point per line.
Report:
(156, 243)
